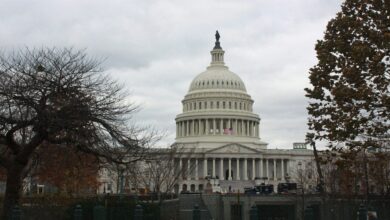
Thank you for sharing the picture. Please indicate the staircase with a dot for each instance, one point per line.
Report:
(187, 203)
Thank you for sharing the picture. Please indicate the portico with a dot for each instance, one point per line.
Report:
(239, 166)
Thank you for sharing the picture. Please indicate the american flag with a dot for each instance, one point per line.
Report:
(228, 131)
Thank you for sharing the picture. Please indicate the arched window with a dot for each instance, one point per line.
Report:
(211, 104)
(230, 105)
(235, 105)
(217, 104)
(223, 105)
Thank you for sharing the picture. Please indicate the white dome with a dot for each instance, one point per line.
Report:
(217, 77)
(217, 108)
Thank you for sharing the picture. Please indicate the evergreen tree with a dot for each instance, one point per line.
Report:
(350, 94)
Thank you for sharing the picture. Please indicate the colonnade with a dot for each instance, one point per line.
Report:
(234, 168)
(217, 126)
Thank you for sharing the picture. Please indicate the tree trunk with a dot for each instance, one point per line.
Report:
(318, 166)
(13, 189)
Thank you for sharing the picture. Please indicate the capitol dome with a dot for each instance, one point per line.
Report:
(217, 108)
(217, 77)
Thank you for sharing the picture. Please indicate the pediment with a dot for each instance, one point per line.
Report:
(233, 148)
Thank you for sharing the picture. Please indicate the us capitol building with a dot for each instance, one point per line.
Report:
(220, 136)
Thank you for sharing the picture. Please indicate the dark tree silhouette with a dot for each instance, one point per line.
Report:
(350, 94)
(61, 97)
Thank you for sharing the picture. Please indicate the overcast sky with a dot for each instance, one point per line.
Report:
(156, 48)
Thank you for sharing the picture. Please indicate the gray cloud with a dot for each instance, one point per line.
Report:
(155, 48)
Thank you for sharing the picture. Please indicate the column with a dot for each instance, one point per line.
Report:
(207, 126)
(196, 169)
(188, 128)
(230, 169)
(182, 129)
(267, 167)
(193, 127)
(282, 169)
(247, 128)
(274, 169)
(245, 169)
(236, 128)
(213, 167)
(238, 168)
(200, 127)
(221, 126)
(261, 168)
(242, 128)
(250, 128)
(254, 129)
(214, 126)
(189, 169)
(204, 167)
(222, 177)
(253, 169)
(181, 168)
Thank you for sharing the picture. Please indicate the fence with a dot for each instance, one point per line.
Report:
(91, 208)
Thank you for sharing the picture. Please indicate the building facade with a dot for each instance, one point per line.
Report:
(220, 136)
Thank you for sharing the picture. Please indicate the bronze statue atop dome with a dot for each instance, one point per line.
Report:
(217, 43)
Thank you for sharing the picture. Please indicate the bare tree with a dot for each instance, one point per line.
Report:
(61, 97)
(162, 170)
